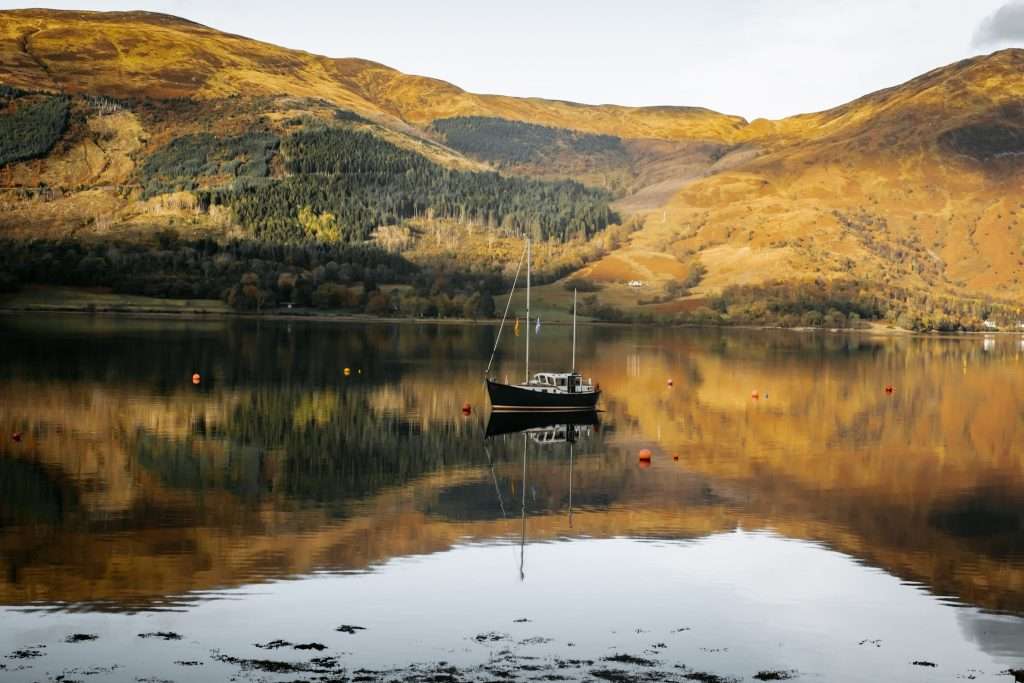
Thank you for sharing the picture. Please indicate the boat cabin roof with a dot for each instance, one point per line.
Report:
(555, 375)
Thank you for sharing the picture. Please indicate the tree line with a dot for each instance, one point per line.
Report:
(254, 276)
(350, 182)
(180, 164)
(32, 128)
(514, 142)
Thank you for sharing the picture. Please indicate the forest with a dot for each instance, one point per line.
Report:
(344, 183)
(513, 142)
(32, 128)
(254, 276)
(178, 165)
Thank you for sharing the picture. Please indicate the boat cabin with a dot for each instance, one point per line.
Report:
(567, 382)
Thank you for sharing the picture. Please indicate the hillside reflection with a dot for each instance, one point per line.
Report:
(131, 488)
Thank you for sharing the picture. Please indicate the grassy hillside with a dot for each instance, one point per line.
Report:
(144, 123)
(132, 54)
(919, 187)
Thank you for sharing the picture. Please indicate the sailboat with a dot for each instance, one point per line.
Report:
(545, 391)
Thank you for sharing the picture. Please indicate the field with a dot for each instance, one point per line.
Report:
(42, 298)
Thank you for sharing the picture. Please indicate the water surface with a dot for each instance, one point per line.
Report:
(322, 475)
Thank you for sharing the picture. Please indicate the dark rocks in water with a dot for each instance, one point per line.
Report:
(28, 652)
(630, 659)
(349, 628)
(922, 662)
(522, 620)
(324, 662)
(876, 643)
(190, 662)
(535, 640)
(490, 637)
(162, 635)
(272, 645)
(775, 675)
(267, 665)
(277, 644)
(80, 637)
(704, 677)
(614, 675)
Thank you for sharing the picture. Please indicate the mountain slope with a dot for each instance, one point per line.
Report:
(915, 191)
(135, 54)
(919, 186)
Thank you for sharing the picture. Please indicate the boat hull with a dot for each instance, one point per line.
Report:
(511, 398)
(520, 421)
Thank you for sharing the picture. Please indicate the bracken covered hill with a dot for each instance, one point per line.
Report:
(135, 54)
(916, 190)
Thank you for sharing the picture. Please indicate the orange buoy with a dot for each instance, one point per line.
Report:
(466, 408)
(670, 382)
(347, 371)
(644, 464)
(888, 388)
(196, 379)
(645, 455)
(16, 437)
(754, 394)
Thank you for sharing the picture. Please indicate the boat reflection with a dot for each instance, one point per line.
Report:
(544, 427)
(547, 430)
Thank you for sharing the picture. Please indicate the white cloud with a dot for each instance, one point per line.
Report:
(1004, 27)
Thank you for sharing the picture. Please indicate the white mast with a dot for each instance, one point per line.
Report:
(574, 329)
(527, 310)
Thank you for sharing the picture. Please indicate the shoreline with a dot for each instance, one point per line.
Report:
(185, 313)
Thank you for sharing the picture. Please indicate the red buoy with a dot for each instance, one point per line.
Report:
(670, 382)
(466, 408)
(888, 388)
(196, 379)
(754, 394)
(675, 456)
(645, 455)
(16, 436)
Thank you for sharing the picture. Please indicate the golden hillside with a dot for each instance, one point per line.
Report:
(126, 54)
(919, 186)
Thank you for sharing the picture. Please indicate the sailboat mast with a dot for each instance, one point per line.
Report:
(574, 329)
(527, 310)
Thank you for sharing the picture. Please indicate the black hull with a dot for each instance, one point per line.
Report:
(510, 398)
(520, 421)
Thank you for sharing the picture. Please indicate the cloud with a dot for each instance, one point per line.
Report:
(1006, 25)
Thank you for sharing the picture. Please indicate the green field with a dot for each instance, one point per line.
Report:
(73, 299)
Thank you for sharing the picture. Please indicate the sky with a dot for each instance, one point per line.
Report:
(747, 57)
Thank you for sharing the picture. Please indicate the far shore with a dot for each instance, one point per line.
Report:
(183, 311)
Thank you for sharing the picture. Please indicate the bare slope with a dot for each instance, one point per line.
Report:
(138, 53)
(920, 185)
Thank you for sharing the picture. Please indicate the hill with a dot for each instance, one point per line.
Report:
(904, 204)
(141, 54)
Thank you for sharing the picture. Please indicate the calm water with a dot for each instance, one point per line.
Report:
(826, 528)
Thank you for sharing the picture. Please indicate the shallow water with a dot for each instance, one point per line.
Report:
(826, 528)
